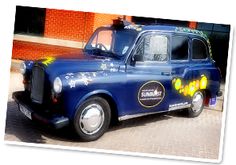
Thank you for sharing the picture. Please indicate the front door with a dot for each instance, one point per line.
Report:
(149, 75)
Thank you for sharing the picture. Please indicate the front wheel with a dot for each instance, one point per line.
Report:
(196, 105)
(92, 118)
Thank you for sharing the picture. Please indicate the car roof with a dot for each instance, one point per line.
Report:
(175, 29)
(120, 24)
(158, 27)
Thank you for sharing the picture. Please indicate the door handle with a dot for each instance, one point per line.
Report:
(166, 73)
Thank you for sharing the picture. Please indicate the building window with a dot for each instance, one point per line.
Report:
(199, 49)
(179, 50)
(29, 20)
(152, 48)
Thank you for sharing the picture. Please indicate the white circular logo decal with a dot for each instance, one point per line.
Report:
(151, 94)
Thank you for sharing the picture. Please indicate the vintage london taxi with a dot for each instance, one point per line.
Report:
(124, 71)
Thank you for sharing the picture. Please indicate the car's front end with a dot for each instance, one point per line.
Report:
(40, 100)
(54, 86)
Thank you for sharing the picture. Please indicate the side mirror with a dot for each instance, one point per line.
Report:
(135, 57)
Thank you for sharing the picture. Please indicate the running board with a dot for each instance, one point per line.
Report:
(126, 117)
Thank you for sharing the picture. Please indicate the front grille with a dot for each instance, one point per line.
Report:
(37, 84)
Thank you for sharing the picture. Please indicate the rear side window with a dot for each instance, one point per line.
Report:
(199, 49)
(179, 50)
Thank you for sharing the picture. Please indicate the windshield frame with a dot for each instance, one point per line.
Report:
(116, 55)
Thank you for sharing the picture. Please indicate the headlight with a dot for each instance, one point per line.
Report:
(22, 68)
(57, 85)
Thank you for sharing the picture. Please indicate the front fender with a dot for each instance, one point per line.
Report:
(77, 87)
(88, 95)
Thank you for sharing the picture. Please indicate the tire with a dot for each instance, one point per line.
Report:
(196, 105)
(92, 118)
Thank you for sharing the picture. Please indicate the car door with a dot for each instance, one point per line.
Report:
(181, 72)
(148, 74)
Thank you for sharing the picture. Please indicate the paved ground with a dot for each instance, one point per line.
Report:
(171, 134)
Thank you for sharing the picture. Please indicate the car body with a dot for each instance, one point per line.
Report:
(124, 71)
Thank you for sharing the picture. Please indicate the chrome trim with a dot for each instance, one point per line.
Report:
(37, 84)
(126, 117)
(180, 107)
(91, 119)
(197, 102)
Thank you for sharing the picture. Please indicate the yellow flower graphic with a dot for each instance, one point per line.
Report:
(190, 88)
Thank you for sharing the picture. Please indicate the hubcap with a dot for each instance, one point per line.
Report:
(91, 119)
(197, 101)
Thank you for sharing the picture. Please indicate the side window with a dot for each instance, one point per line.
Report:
(179, 48)
(152, 48)
(199, 49)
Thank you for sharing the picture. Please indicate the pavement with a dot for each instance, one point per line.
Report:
(162, 134)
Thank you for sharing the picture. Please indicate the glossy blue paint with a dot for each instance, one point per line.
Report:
(84, 75)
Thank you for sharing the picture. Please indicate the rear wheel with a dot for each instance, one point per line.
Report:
(196, 105)
(92, 118)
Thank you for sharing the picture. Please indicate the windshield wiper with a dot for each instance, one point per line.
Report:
(112, 54)
(99, 52)
(96, 51)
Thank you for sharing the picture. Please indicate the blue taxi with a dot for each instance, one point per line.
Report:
(124, 71)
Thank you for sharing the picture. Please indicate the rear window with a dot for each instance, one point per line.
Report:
(199, 49)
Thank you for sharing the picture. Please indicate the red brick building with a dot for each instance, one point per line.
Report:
(74, 25)
(63, 32)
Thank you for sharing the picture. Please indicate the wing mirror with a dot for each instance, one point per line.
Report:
(135, 57)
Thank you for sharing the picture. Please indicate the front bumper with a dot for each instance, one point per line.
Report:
(37, 113)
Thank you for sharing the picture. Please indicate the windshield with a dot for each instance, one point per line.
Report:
(111, 42)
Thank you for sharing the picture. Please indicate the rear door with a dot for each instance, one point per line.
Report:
(181, 72)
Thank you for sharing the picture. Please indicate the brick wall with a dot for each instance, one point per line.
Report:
(33, 51)
(103, 19)
(89, 24)
(66, 25)
(73, 25)
(63, 24)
